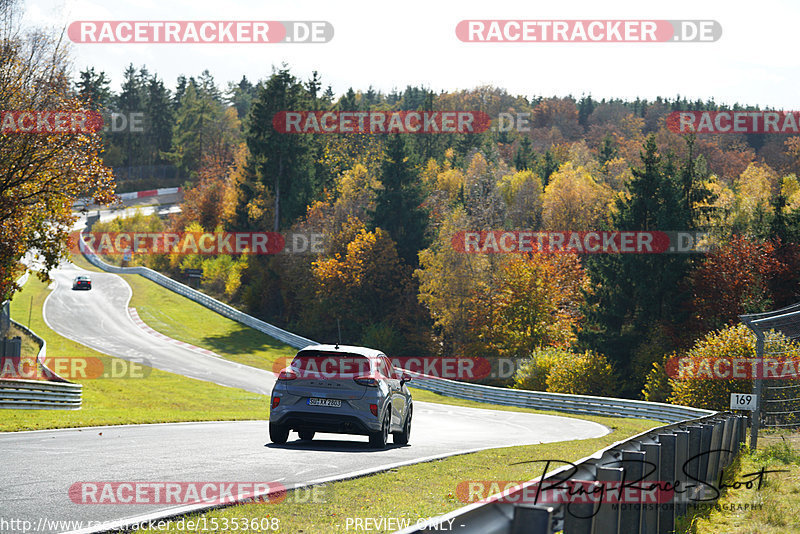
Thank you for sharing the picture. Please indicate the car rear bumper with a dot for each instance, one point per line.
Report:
(325, 422)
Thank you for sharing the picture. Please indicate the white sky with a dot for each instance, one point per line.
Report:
(413, 42)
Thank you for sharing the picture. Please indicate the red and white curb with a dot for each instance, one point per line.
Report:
(134, 315)
(149, 193)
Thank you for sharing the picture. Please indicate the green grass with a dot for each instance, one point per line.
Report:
(773, 509)
(29, 348)
(161, 397)
(183, 319)
(416, 491)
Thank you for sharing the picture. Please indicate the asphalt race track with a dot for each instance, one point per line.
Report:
(38, 468)
(99, 319)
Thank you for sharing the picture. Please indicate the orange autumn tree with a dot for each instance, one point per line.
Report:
(41, 175)
(212, 201)
(537, 303)
(364, 286)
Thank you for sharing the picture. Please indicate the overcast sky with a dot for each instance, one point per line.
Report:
(413, 42)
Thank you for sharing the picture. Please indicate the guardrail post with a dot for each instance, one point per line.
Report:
(748, 420)
(725, 455)
(667, 475)
(529, 518)
(714, 456)
(5, 315)
(630, 517)
(705, 446)
(741, 437)
(652, 468)
(757, 388)
(607, 520)
(681, 457)
(693, 460)
(579, 516)
(11, 354)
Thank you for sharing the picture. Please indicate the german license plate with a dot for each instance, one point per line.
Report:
(324, 402)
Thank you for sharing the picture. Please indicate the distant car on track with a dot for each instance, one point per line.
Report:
(82, 282)
(344, 390)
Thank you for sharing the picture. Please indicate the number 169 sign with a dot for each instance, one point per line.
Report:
(743, 401)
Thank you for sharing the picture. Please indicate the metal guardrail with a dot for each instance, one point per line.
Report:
(560, 402)
(55, 393)
(691, 454)
(293, 340)
(39, 395)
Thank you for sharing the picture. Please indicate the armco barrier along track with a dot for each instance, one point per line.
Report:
(55, 393)
(560, 402)
(689, 455)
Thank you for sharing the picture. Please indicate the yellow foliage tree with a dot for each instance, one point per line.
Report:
(538, 303)
(574, 201)
(522, 193)
(753, 194)
(448, 283)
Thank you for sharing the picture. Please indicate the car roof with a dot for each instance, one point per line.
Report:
(344, 349)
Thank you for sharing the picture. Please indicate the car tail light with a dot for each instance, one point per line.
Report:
(287, 375)
(366, 381)
(276, 401)
(374, 409)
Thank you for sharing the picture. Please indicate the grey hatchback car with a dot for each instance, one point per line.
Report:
(344, 390)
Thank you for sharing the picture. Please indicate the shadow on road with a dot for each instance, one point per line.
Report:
(330, 445)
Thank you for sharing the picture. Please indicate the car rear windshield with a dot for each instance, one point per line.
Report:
(331, 364)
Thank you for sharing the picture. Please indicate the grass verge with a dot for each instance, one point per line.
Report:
(159, 398)
(408, 493)
(29, 348)
(772, 508)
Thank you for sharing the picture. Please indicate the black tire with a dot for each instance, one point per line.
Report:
(379, 439)
(278, 433)
(306, 434)
(402, 437)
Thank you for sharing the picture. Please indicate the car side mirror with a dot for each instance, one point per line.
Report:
(405, 377)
